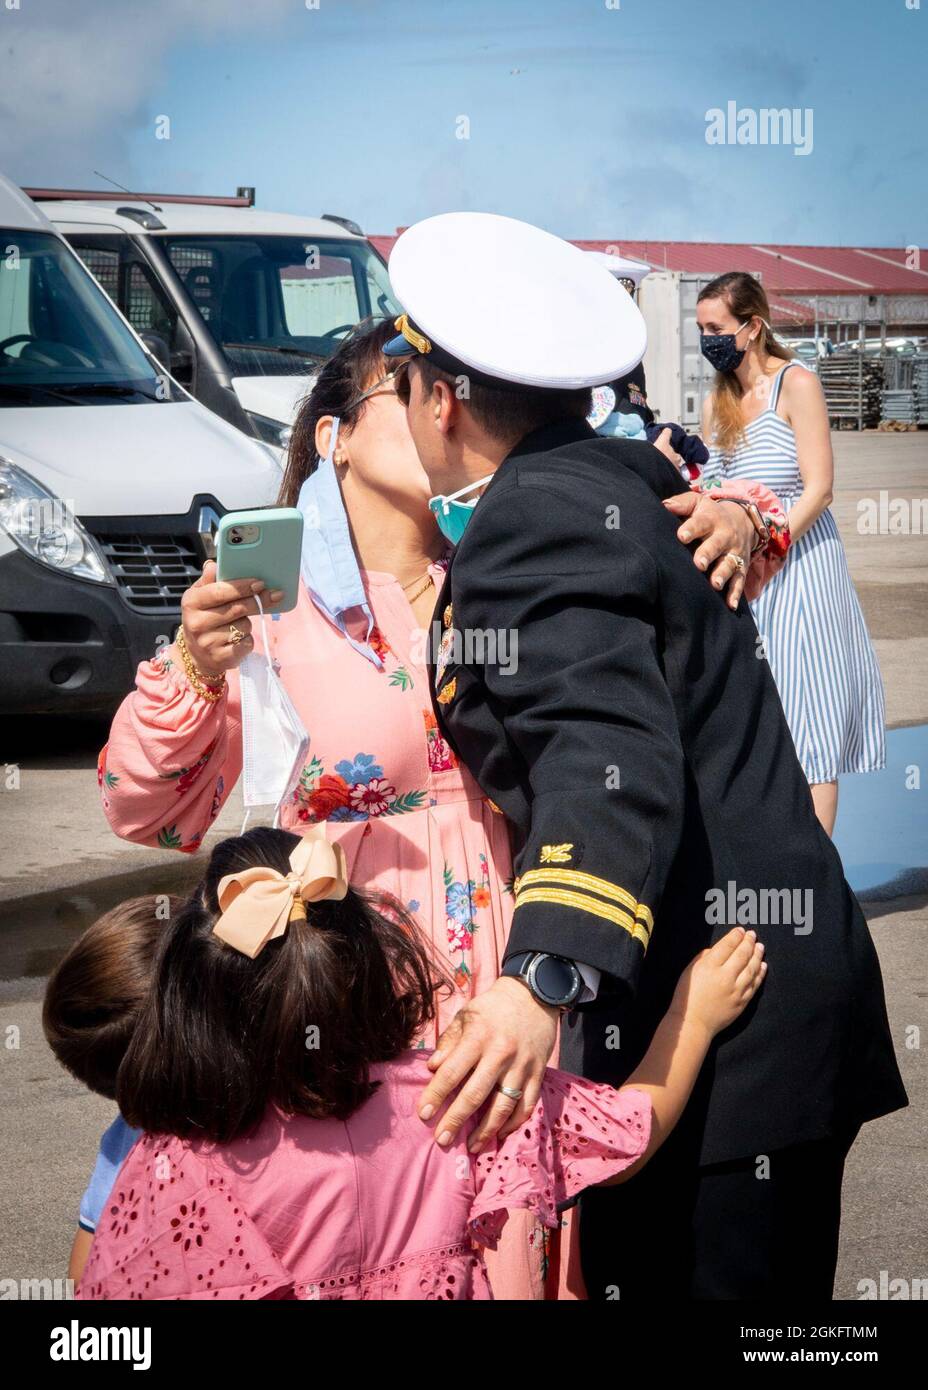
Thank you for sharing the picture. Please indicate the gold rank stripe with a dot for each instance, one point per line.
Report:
(584, 902)
(590, 883)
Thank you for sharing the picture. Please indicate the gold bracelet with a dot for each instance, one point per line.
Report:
(755, 516)
(209, 687)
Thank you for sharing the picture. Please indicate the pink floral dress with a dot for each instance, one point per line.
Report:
(364, 1208)
(412, 822)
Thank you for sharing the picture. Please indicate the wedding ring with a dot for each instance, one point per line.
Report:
(736, 559)
(512, 1092)
(234, 634)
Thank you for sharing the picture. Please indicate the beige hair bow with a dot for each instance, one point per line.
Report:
(256, 904)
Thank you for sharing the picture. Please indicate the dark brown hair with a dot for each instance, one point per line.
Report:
(95, 993)
(747, 299)
(509, 414)
(223, 1036)
(356, 365)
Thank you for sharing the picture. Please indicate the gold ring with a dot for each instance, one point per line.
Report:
(737, 560)
(234, 635)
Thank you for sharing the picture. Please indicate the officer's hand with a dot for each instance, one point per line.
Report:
(726, 531)
(503, 1037)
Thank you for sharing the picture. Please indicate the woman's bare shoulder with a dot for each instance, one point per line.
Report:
(801, 385)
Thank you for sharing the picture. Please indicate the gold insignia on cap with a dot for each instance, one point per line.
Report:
(555, 854)
(412, 336)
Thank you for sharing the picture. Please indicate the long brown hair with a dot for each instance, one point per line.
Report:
(356, 365)
(747, 299)
(221, 1036)
(95, 993)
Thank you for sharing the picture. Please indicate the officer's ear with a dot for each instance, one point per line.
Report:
(444, 405)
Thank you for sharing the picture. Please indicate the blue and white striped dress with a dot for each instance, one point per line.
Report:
(809, 616)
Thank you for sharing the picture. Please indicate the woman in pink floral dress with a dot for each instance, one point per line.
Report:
(412, 822)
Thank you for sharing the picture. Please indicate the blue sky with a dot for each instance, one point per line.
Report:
(588, 120)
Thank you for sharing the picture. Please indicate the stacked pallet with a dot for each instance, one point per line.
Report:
(899, 405)
(852, 389)
(920, 381)
(905, 394)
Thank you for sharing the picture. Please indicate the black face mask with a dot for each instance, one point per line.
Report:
(721, 350)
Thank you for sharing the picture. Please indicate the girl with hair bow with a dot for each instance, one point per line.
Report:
(271, 1074)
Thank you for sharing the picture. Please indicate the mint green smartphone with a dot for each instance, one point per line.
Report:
(263, 544)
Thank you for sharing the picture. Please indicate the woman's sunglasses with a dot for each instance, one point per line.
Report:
(395, 383)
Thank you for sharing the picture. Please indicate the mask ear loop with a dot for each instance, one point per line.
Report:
(468, 487)
(267, 657)
(264, 636)
(333, 437)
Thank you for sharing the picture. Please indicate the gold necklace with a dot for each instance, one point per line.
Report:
(418, 579)
(411, 598)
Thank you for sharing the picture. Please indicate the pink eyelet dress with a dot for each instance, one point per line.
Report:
(365, 1208)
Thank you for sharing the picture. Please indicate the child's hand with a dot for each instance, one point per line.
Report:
(719, 984)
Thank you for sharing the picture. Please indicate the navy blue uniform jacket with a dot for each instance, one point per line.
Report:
(626, 722)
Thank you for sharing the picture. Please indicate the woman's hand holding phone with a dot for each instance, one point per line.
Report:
(210, 609)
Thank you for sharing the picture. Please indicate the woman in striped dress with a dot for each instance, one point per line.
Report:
(766, 419)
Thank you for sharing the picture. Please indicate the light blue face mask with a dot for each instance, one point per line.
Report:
(453, 515)
(329, 565)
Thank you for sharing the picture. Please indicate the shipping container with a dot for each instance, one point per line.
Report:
(678, 376)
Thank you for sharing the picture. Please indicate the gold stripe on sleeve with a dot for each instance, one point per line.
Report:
(590, 883)
(584, 902)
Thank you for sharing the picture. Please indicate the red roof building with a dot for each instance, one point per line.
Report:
(791, 273)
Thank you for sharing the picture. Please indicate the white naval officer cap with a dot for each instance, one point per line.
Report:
(502, 301)
(621, 267)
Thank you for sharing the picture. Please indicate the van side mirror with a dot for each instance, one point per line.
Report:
(157, 347)
(182, 367)
(184, 357)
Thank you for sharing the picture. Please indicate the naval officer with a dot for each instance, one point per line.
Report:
(626, 724)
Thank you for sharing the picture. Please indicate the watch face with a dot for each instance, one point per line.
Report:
(554, 980)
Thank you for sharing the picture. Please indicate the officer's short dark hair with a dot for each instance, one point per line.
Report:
(510, 413)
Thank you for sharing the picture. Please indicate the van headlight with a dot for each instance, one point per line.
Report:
(45, 527)
(270, 431)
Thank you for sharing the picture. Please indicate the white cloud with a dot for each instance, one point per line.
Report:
(76, 76)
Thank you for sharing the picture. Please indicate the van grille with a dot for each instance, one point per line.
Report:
(152, 571)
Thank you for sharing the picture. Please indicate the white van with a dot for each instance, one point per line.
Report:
(112, 480)
(241, 305)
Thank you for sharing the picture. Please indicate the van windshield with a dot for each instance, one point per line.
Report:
(61, 341)
(280, 305)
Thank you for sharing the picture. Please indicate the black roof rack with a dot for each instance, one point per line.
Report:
(345, 222)
(145, 219)
(244, 198)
